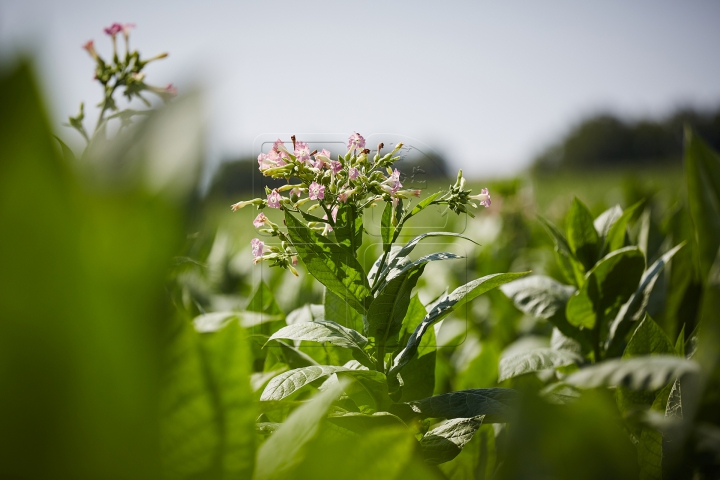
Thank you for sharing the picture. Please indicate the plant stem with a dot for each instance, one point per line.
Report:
(380, 360)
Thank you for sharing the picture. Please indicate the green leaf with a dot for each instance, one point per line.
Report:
(283, 449)
(680, 342)
(400, 268)
(543, 297)
(634, 310)
(446, 304)
(702, 170)
(386, 313)
(387, 229)
(367, 388)
(331, 264)
(324, 331)
(289, 382)
(228, 361)
(650, 372)
(349, 226)
(419, 374)
(569, 266)
(496, 404)
(214, 321)
(397, 256)
(582, 237)
(294, 357)
(338, 310)
(604, 222)
(362, 422)
(423, 204)
(607, 286)
(650, 454)
(443, 443)
(615, 237)
(535, 360)
(263, 301)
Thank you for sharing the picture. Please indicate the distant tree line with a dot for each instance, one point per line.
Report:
(606, 140)
(241, 178)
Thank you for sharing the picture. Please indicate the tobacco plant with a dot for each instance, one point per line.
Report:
(383, 371)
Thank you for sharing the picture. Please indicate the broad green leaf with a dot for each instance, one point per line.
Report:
(533, 361)
(496, 404)
(634, 310)
(615, 237)
(367, 388)
(650, 372)
(349, 226)
(386, 313)
(294, 357)
(702, 170)
(680, 342)
(604, 222)
(607, 286)
(283, 449)
(339, 311)
(560, 393)
(569, 266)
(331, 264)
(227, 359)
(650, 454)
(459, 297)
(399, 268)
(288, 382)
(419, 374)
(443, 443)
(323, 331)
(582, 237)
(363, 422)
(481, 371)
(543, 297)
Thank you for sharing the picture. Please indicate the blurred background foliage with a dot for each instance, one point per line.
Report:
(106, 260)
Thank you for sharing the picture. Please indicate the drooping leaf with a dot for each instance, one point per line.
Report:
(607, 286)
(330, 263)
(323, 331)
(543, 297)
(582, 237)
(459, 297)
(650, 372)
(702, 170)
(283, 449)
(533, 361)
(634, 309)
(496, 404)
(443, 443)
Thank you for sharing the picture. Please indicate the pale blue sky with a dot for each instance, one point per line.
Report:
(487, 83)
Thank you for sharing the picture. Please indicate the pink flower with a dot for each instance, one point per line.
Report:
(335, 166)
(296, 191)
(322, 158)
(171, 89)
(279, 147)
(113, 29)
(302, 152)
(260, 220)
(126, 29)
(90, 47)
(353, 173)
(316, 191)
(392, 184)
(270, 160)
(483, 197)
(273, 199)
(356, 141)
(257, 247)
(294, 260)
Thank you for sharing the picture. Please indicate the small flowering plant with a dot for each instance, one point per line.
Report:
(121, 71)
(323, 204)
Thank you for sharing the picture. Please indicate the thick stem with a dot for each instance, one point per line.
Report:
(380, 358)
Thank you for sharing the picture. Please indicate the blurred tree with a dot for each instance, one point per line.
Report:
(605, 140)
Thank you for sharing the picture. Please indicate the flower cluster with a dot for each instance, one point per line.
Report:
(121, 71)
(353, 178)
